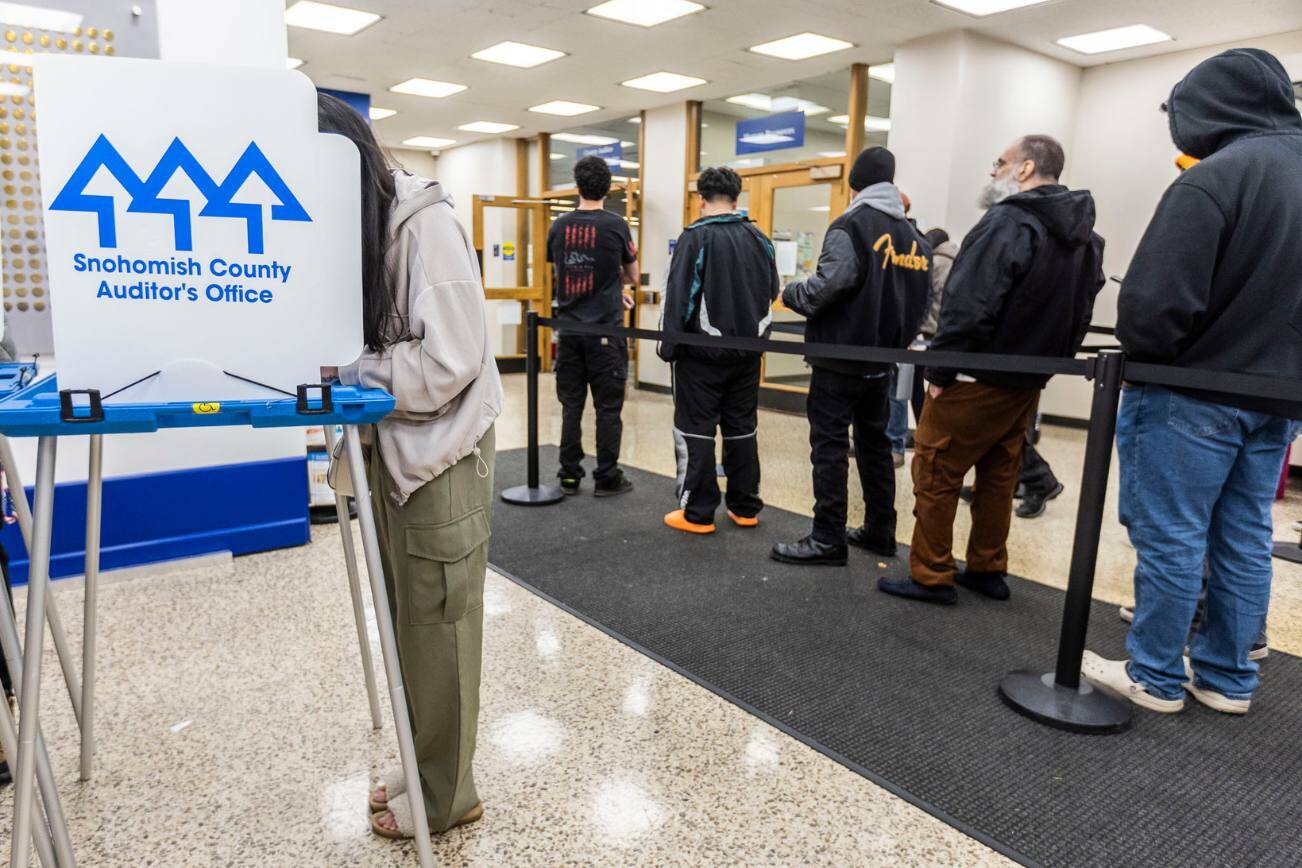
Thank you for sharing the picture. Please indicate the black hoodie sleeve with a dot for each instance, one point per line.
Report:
(1169, 283)
(682, 289)
(993, 256)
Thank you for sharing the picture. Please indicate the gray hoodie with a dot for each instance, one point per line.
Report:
(439, 363)
(942, 259)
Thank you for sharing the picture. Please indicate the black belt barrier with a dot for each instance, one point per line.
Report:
(1059, 698)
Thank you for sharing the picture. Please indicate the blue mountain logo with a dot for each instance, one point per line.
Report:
(146, 193)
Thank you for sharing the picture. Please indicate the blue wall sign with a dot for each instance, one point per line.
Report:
(611, 153)
(359, 101)
(771, 133)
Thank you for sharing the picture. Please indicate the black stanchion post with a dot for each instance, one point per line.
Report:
(1059, 698)
(533, 493)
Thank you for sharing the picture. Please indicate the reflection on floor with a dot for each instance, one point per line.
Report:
(233, 727)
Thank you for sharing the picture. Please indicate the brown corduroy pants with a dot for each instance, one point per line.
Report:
(969, 425)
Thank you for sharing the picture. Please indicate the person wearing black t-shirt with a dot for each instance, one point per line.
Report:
(594, 256)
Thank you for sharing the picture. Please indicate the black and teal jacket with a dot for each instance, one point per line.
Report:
(723, 279)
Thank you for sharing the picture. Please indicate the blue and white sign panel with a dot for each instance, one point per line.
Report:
(612, 153)
(197, 227)
(771, 133)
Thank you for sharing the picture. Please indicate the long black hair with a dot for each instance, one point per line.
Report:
(378, 301)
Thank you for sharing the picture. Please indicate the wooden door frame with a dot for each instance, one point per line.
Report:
(536, 296)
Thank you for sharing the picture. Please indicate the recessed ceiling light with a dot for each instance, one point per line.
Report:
(379, 114)
(564, 108)
(832, 154)
(293, 63)
(870, 123)
(427, 87)
(1115, 39)
(982, 8)
(557, 156)
(636, 119)
(431, 142)
(629, 164)
(763, 102)
(23, 15)
(752, 100)
(883, 72)
(645, 13)
(663, 82)
(583, 139)
(627, 144)
(488, 127)
(312, 15)
(801, 46)
(517, 54)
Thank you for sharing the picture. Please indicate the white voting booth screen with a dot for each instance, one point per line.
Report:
(202, 237)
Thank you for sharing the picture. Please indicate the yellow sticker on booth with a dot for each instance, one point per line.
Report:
(207, 409)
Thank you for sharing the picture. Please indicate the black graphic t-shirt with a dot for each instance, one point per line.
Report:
(589, 250)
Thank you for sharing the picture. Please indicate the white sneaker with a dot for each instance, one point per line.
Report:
(1112, 674)
(1127, 614)
(1210, 698)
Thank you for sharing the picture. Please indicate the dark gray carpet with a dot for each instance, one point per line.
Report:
(905, 693)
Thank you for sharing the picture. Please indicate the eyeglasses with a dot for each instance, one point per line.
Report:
(998, 164)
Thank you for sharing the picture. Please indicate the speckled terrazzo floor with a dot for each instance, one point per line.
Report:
(234, 730)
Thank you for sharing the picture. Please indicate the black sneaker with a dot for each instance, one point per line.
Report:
(942, 595)
(569, 485)
(619, 484)
(809, 551)
(1034, 505)
(878, 544)
(990, 585)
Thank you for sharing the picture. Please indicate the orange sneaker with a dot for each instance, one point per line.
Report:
(743, 520)
(678, 521)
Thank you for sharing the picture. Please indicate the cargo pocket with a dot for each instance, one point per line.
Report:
(446, 563)
(928, 454)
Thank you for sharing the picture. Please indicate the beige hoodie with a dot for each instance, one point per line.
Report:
(438, 363)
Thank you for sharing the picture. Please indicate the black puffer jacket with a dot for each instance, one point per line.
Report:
(1023, 283)
(1217, 280)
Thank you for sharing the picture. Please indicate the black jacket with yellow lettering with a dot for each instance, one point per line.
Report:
(872, 284)
(1023, 283)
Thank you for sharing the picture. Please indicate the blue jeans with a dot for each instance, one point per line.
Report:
(1197, 483)
(898, 425)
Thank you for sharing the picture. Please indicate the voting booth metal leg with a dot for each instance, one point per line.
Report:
(40, 832)
(29, 696)
(24, 513)
(94, 512)
(355, 590)
(532, 493)
(1060, 699)
(388, 644)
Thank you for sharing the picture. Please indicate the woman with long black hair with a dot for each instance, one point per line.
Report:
(429, 465)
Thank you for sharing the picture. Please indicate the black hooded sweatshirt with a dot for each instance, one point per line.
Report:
(1023, 283)
(1217, 280)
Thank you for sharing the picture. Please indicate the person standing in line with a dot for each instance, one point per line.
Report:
(723, 280)
(1215, 285)
(870, 289)
(1024, 283)
(429, 465)
(593, 255)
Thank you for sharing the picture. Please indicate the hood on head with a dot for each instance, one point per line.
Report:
(1237, 93)
(412, 193)
(1067, 214)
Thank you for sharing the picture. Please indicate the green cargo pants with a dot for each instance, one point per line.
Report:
(435, 552)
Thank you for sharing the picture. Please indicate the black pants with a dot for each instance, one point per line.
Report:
(722, 395)
(1036, 477)
(586, 362)
(836, 402)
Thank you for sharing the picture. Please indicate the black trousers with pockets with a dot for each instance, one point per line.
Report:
(723, 395)
(599, 364)
(837, 402)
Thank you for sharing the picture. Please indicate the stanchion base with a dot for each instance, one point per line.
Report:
(1288, 551)
(543, 495)
(1086, 709)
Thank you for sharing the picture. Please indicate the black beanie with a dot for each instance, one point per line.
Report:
(873, 166)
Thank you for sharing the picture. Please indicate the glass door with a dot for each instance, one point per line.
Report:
(510, 238)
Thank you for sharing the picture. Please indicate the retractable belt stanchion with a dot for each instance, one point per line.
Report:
(355, 590)
(532, 493)
(1060, 698)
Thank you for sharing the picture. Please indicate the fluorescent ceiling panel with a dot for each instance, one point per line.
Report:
(557, 156)
(645, 13)
(38, 18)
(427, 87)
(379, 114)
(431, 142)
(327, 17)
(1115, 39)
(885, 72)
(517, 54)
(636, 119)
(488, 127)
(763, 102)
(564, 108)
(870, 123)
(664, 82)
(801, 46)
(982, 8)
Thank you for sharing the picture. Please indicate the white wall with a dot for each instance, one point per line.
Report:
(421, 163)
(664, 166)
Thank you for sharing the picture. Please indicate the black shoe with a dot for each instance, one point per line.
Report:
(941, 595)
(618, 484)
(1019, 492)
(569, 485)
(990, 585)
(908, 440)
(966, 493)
(1033, 505)
(878, 544)
(809, 551)
(5, 777)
